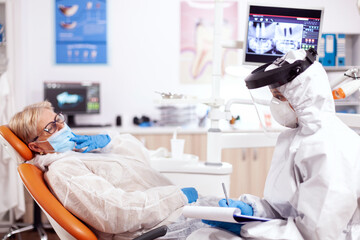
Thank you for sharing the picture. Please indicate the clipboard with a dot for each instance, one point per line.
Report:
(221, 214)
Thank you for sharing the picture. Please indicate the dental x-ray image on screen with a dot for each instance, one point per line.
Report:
(67, 100)
(73, 98)
(274, 38)
(273, 31)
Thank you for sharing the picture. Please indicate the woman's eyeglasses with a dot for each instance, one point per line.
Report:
(51, 127)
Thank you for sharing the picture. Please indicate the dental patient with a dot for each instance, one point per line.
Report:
(113, 190)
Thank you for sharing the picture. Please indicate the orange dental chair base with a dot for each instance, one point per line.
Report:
(66, 225)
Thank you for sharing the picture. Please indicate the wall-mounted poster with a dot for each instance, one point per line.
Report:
(81, 31)
(197, 33)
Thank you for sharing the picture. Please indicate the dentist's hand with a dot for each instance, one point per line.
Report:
(245, 208)
(191, 194)
(232, 227)
(91, 142)
(235, 228)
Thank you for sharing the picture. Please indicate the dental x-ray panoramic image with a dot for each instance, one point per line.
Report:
(267, 36)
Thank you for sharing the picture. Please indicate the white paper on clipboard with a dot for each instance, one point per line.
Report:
(222, 214)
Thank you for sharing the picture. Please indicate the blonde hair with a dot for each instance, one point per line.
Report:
(24, 123)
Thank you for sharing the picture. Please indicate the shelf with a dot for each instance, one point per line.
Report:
(352, 120)
(190, 100)
(352, 103)
(338, 69)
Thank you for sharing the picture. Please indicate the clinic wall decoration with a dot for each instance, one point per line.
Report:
(196, 43)
(81, 31)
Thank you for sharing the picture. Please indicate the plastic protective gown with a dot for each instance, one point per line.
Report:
(11, 187)
(116, 192)
(313, 185)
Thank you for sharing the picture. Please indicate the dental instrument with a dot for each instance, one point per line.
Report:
(350, 73)
(226, 196)
(170, 95)
(348, 88)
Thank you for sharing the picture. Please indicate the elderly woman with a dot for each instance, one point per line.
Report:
(115, 191)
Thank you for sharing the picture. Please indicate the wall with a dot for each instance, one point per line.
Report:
(141, 56)
(143, 43)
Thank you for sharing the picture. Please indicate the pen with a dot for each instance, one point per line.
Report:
(226, 196)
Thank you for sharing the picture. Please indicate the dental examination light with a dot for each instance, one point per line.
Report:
(348, 88)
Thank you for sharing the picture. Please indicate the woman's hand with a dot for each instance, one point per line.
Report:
(91, 142)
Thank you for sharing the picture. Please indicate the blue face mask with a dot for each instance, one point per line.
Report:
(60, 140)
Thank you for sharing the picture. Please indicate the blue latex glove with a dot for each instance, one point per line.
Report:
(191, 194)
(235, 228)
(232, 227)
(91, 142)
(245, 208)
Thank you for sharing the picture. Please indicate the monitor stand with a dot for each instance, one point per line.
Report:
(71, 120)
(71, 123)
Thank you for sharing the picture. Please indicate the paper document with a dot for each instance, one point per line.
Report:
(222, 214)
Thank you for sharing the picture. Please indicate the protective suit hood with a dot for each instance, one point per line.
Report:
(309, 93)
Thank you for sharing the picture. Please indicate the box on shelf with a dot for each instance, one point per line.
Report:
(340, 50)
(327, 50)
(332, 50)
(2, 32)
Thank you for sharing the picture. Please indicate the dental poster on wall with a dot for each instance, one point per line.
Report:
(197, 20)
(80, 31)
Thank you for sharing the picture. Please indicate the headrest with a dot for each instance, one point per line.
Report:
(19, 146)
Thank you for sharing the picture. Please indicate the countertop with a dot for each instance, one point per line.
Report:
(162, 130)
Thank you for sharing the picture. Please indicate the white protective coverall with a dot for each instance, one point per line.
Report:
(11, 187)
(116, 191)
(313, 185)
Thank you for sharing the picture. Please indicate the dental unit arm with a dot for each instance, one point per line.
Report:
(347, 85)
(348, 88)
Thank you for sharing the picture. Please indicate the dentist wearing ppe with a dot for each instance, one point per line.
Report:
(114, 191)
(313, 186)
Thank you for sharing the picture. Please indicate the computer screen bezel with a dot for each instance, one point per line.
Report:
(80, 83)
(245, 43)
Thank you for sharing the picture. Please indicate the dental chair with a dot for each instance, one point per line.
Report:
(66, 225)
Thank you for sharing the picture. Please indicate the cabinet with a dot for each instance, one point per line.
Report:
(250, 165)
(250, 168)
(194, 143)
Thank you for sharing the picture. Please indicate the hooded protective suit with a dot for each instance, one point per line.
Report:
(313, 185)
(117, 193)
(11, 187)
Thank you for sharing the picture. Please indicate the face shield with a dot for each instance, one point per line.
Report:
(273, 109)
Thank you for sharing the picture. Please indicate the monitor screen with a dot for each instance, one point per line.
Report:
(273, 31)
(73, 98)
